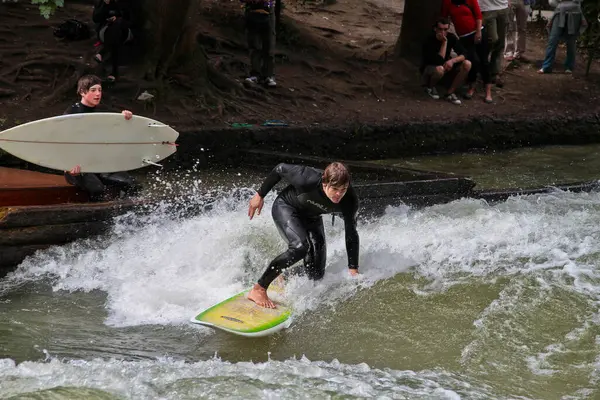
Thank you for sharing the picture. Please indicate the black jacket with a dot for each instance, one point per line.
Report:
(431, 50)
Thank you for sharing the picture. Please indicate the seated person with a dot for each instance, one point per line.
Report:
(438, 63)
(90, 89)
(113, 26)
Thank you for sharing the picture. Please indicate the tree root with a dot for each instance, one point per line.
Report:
(7, 92)
(62, 90)
(54, 61)
(222, 81)
(6, 83)
(33, 78)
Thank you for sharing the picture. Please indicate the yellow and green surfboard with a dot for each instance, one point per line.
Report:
(243, 317)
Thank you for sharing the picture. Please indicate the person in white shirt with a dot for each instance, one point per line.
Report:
(516, 39)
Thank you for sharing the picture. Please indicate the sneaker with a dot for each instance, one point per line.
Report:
(252, 79)
(270, 82)
(432, 92)
(568, 71)
(453, 99)
(523, 58)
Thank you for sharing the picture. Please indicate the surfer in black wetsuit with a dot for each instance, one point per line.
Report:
(89, 87)
(297, 214)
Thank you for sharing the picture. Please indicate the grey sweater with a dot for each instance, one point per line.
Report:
(568, 13)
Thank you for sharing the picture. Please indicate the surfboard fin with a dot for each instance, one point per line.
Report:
(146, 161)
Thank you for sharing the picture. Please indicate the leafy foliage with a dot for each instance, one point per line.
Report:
(48, 7)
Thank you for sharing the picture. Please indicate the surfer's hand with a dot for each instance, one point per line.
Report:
(256, 205)
(76, 170)
(128, 114)
(353, 271)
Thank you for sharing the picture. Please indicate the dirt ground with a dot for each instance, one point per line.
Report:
(334, 66)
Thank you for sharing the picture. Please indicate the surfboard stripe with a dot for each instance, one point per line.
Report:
(85, 143)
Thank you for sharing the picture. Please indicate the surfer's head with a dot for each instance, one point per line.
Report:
(336, 180)
(89, 87)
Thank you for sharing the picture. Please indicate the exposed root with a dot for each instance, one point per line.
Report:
(7, 92)
(16, 70)
(63, 89)
(33, 78)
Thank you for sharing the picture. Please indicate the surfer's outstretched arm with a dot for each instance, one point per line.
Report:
(349, 212)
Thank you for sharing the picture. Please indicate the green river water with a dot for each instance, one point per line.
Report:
(465, 300)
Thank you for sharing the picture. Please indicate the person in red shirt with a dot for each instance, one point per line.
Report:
(467, 20)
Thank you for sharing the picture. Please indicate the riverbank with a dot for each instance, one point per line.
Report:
(334, 67)
(371, 142)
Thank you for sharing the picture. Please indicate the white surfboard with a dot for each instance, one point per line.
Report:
(98, 142)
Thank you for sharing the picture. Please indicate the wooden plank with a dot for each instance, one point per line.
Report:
(12, 178)
(14, 217)
(51, 234)
(20, 188)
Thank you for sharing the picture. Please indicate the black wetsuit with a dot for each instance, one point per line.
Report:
(96, 184)
(297, 214)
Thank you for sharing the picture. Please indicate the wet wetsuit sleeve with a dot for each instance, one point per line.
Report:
(294, 174)
(349, 212)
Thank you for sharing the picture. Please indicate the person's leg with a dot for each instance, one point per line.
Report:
(483, 51)
(122, 181)
(292, 228)
(553, 39)
(510, 46)
(430, 77)
(490, 28)
(571, 42)
(99, 57)
(89, 183)
(433, 75)
(316, 257)
(497, 49)
(461, 75)
(114, 39)
(469, 45)
(254, 47)
(268, 52)
(521, 25)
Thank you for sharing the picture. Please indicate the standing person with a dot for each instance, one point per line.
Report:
(467, 19)
(113, 20)
(516, 39)
(567, 22)
(260, 31)
(438, 62)
(297, 214)
(89, 87)
(495, 20)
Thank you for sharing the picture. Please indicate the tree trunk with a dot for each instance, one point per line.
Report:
(170, 29)
(418, 17)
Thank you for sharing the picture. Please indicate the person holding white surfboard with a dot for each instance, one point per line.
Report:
(89, 87)
(297, 214)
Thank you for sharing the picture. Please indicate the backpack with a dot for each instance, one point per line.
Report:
(72, 29)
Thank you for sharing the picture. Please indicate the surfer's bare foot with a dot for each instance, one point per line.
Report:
(258, 294)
